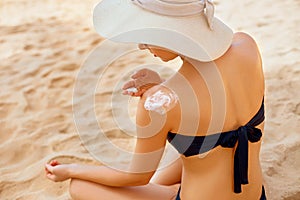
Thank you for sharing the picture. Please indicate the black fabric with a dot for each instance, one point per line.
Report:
(263, 194)
(262, 197)
(178, 194)
(194, 145)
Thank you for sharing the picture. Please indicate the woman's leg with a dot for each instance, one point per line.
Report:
(85, 190)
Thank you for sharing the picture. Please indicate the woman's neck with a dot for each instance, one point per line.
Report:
(187, 68)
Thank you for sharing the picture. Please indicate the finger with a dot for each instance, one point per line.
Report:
(51, 176)
(139, 82)
(128, 93)
(52, 162)
(135, 94)
(46, 170)
(147, 86)
(138, 94)
(55, 162)
(125, 92)
(128, 84)
(49, 168)
(140, 73)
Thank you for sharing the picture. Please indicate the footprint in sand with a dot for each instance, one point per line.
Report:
(297, 109)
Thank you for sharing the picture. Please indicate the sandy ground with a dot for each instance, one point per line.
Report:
(43, 44)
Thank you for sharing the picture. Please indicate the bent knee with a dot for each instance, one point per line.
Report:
(75, 188)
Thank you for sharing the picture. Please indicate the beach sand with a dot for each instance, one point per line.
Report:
(44, 44)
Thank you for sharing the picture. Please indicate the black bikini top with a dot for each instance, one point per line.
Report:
(194, 145)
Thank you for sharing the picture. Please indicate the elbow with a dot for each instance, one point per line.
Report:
(138, 180)
(142, 182)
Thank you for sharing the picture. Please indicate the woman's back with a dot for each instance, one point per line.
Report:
(211, 175)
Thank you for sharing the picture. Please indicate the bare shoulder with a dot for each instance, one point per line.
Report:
(159, 99)
(244, 41)
(243, 35)
(245, 49)
(156, 89)
(156, 106)
(244, 38)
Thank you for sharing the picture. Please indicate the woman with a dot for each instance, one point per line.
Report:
(211, 111)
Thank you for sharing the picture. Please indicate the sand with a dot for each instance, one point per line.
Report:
(44, 44)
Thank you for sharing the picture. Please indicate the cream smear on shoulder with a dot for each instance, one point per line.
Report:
(161, 101)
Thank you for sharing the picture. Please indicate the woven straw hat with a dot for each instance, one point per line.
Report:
(187, 27)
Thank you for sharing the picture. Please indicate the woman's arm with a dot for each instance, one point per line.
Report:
(98, 174)
(151, 140)
(170, 175)
(108, 176)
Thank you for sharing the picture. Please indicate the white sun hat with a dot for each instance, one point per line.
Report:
(187, 27)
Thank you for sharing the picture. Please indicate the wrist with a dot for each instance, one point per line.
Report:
(71, 170)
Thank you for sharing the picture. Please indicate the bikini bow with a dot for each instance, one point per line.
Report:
(241, 137)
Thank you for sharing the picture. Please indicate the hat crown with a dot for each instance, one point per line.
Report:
(179, 8)
(179, 1)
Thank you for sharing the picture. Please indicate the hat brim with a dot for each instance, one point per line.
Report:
(123, 21)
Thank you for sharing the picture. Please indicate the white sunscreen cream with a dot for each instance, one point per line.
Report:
(161, 101)
(132, 89)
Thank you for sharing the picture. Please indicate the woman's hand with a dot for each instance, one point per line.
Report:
(142, 81)
(57, 172)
